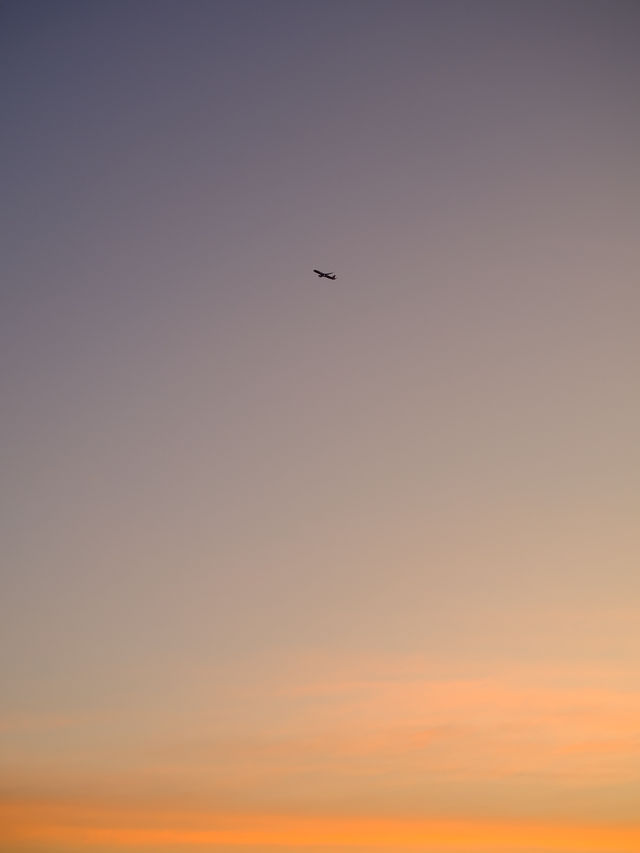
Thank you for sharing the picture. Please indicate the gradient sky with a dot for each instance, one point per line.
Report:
(292, 562)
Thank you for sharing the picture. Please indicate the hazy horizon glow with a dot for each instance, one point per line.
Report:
(292, 563)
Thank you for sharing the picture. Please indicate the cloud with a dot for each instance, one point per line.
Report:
(94, 825)
(404, 742)
(479, 727)
(354, 737)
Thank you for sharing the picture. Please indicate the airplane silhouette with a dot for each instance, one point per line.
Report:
(330, 275)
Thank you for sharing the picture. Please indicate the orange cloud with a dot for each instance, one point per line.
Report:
(85, 826)
(489, 743)
(469, 729)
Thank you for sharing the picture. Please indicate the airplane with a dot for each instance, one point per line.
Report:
(330, 275)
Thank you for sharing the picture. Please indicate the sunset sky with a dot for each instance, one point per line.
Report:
(291, 563)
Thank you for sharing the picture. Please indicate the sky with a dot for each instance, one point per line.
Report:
(296, 564)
